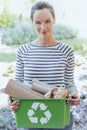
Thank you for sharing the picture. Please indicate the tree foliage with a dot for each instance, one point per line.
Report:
(6, 19)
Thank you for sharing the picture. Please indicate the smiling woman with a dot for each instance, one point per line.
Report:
(43, 25)
(46, 59)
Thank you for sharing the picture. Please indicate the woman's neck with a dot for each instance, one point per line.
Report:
(46, 42)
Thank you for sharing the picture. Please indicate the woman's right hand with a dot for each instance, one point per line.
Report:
(14, 104)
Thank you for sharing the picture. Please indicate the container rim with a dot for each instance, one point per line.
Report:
(47, 99)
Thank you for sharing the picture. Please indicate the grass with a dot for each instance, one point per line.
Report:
(7, 57)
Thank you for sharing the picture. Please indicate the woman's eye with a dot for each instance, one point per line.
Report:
(48, 21)
(37, 22)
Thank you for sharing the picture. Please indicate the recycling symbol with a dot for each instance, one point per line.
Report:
(43, 108)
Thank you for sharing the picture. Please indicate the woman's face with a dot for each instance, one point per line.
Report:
(43, 22)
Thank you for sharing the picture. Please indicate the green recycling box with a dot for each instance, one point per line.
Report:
(42, 113)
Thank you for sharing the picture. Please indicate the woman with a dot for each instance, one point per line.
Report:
(46, 59)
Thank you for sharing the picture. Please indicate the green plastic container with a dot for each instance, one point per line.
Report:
(42, 113)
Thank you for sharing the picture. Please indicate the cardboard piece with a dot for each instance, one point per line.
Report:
(19, 90)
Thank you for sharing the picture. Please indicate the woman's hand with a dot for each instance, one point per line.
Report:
(14, 104)
(75, 100)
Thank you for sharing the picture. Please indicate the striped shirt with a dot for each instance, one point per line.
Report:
(53, 65)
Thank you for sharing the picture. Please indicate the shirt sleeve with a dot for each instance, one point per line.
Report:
(69, 71)
(19, 73)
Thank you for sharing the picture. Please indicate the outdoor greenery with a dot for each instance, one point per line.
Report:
(7, 57)
(64, 32)
(7, 19)
(23, 32)
(17, 29)
(79, 45)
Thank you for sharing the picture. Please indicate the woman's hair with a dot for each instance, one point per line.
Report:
(41, 5)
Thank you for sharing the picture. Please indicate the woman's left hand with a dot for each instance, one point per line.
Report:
(75, 100)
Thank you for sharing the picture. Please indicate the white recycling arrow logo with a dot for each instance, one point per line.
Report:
(43, 107)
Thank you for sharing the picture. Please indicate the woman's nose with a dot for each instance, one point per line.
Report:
(43, 27)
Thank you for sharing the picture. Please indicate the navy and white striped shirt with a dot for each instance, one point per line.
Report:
(53, 65)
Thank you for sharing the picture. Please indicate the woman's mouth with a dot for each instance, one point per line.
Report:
(45, 32)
